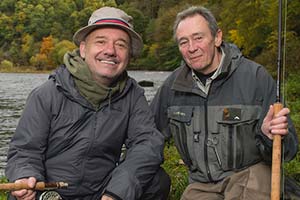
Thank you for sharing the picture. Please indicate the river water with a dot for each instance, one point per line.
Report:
(15, 87)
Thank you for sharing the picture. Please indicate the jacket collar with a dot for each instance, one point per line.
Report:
(184, 81)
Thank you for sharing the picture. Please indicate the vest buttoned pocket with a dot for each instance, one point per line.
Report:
(180, 122)
(238, 128)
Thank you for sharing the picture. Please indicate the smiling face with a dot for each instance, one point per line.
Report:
(197, 45)
(106, 52)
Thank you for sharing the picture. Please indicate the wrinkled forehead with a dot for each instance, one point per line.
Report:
(192, 25)
(110, 32)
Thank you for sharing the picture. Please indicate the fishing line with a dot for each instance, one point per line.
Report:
(284, 98)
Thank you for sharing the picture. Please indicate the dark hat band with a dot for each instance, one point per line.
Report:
(115, 21)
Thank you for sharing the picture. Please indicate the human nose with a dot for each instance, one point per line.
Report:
(110, 49)
(192, 46)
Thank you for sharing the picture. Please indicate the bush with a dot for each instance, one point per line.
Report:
(177, 171)
(6, 64)
(3, 195)
(59, 51)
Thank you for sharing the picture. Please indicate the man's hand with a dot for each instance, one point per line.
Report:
(104, 197)
(25, 194)
(275, 125)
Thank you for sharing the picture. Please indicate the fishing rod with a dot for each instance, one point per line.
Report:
(38, 186)
(276, 153)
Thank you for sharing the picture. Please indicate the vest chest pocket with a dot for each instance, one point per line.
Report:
(180, 118)
(237, 139)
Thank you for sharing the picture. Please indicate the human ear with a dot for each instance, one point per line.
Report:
(219, 38)
(82, 49)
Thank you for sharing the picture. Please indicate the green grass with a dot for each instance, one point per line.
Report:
(3, 195)
(292, 168)
(176, 170)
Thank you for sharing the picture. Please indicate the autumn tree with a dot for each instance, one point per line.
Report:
(42, 60)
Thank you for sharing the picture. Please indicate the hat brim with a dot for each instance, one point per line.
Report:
(136, 40)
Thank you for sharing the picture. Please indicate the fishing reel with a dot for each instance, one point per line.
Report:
(50, 195)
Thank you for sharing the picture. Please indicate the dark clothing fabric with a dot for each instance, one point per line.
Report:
(204, 77)
(219, 132)
(62, 137)
(159, 187)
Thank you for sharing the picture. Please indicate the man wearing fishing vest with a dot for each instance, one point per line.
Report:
(73, 126)
(218, 107)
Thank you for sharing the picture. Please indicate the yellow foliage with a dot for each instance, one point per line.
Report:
(236, 38)
(47, 45)
(27, 43)
(152, 49)
(43, 58)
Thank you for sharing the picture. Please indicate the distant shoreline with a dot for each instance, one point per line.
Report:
(22, 70)
(31, 70)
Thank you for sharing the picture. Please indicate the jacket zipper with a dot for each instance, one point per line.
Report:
(205, 142)
(93, 134)
(230, 155)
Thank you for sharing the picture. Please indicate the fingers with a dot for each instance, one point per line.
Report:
(270, 114)
(265, 128)
(31, 182)
(283, 112)
(275, 124)
(28, 195)
(104, 197)
(279, 124)
(25, 194)
(280, 130)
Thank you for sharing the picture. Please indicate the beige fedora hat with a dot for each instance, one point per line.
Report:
(112, 17)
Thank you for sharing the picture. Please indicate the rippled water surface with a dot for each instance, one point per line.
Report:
(14, 89)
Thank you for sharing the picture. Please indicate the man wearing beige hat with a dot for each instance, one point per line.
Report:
(73, 126)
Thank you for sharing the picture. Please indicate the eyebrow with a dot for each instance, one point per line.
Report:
(193, 35)
(198, 33)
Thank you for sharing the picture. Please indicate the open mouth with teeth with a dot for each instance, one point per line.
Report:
(108, 62)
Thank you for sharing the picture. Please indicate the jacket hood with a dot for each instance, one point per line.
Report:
(232, 57)
(65, 83)
(184, 80)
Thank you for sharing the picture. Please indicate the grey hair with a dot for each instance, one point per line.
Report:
(197, 10)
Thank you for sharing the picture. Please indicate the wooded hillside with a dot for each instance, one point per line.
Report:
(38, 32)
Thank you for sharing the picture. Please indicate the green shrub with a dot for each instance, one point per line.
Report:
(3, 195)
(292, 168)
(177, 171)
(6, 64)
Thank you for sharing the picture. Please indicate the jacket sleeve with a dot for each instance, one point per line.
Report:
(267, 88)
(144, 152)
(159, 107)
(26, 150)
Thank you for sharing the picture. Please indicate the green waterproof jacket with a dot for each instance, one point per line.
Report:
(61, 137)
(218, 133)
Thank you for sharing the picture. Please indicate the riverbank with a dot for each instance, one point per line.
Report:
(24, 69)
(29, 69)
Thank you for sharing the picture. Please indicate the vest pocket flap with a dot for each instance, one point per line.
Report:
(181, 114)
(233, 115)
